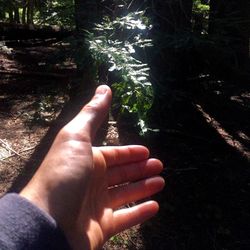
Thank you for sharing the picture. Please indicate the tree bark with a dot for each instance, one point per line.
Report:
(172, 23)
(171, 61)
(230, 21)
(24, 32)
(11, 16)
(172, 16)
(87, 13)
(16, 15)
(24, 15)
(30, 11)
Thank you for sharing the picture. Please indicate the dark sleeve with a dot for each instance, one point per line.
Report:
(25, 226)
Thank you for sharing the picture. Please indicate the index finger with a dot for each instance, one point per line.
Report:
(118, 155)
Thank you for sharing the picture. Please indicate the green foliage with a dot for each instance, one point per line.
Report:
(200, 17)
(118, 240)
(199, 7)
(121, 43)
(46, 108)
(2, 10)
(57, 13)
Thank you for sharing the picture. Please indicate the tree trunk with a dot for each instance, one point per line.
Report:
(26, 32)
(230, 22)
(11, 16)
(24, 15)
(30, 11)
(172, 22)
(87, 13)
(16, 15)
(172, 16)
(24, 11)
(172, 29)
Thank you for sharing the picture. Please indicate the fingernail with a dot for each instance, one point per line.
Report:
(101, 90)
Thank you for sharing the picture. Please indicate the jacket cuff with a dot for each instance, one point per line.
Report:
(25, 226)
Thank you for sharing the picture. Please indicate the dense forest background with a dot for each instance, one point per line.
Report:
(180, 73)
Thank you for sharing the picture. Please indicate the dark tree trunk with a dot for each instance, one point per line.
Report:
(11, 16)
(16, 15)
(24, 15)
(24, 12)
(87, 13)
(172, 16)
(2, 15)
(172, 29)
(216, 15)
(172, 22)
(30, 11)
(230, 23)
(26, 32)
(28, 14)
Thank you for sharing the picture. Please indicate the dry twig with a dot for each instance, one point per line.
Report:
(14, 151)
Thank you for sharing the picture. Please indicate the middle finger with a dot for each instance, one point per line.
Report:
(133, 171)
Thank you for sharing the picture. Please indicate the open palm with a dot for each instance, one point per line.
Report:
(84, 188)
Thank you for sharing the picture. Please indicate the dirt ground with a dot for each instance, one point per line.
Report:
(206, 151)
(31, 102)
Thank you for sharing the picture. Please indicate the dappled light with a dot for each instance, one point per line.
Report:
(180, 76)
(229, 139)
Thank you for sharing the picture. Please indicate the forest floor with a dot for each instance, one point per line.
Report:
(206, 151)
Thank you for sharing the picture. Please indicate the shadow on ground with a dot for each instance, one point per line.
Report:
(206, 202)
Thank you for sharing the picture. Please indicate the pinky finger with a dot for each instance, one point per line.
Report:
(128, 217)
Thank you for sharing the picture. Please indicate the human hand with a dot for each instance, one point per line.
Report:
(80, 185)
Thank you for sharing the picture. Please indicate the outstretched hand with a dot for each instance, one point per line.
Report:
(83, 187)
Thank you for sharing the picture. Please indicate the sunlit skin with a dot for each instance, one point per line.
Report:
(80, 185)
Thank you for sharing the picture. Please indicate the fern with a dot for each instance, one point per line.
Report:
(117, 42)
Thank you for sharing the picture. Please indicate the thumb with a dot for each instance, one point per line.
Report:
(89, 119)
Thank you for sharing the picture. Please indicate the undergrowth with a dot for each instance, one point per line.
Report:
(121, 44)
